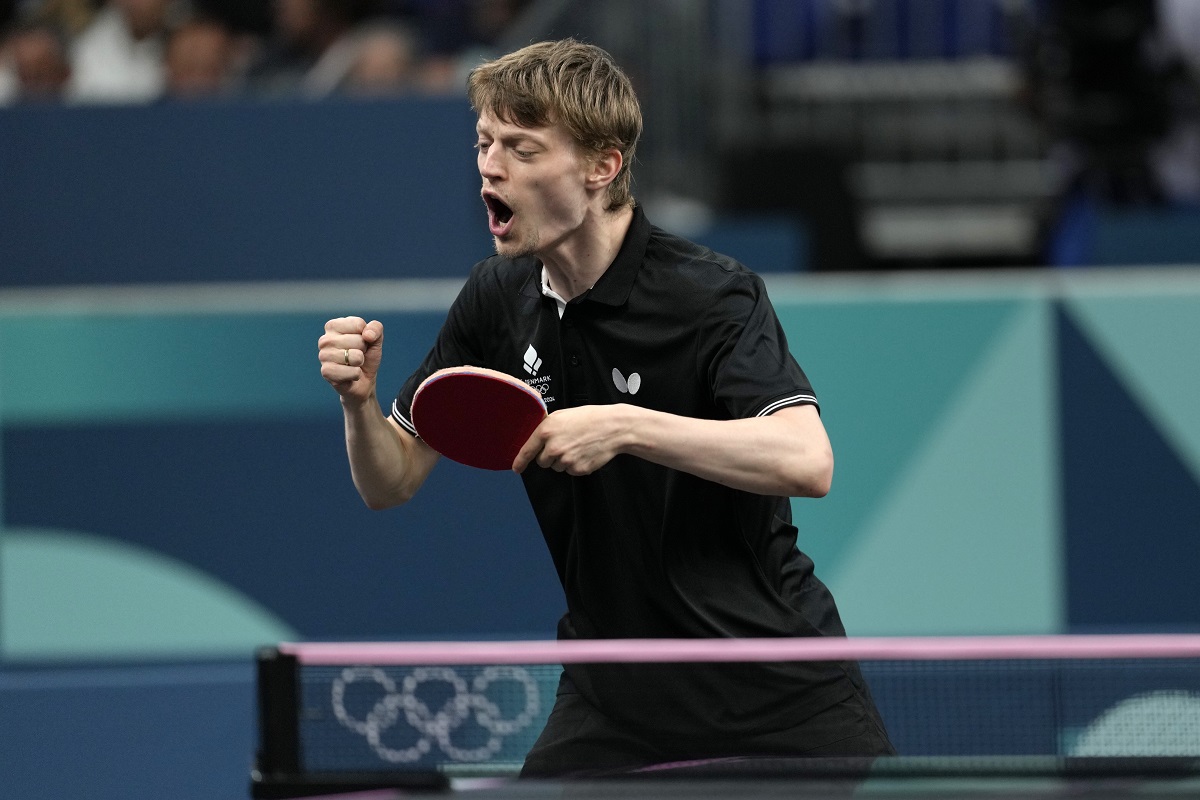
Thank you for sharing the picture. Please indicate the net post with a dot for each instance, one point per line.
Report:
(277, 758)
(279, 772)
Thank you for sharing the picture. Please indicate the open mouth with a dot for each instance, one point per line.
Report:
(500, 215)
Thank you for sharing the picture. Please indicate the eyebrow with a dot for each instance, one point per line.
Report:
(519, 134)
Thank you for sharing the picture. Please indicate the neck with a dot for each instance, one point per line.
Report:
(576, 265)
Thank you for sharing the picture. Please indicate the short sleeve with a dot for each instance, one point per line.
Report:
(751, 370)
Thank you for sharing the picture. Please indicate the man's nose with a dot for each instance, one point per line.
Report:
(491, 163)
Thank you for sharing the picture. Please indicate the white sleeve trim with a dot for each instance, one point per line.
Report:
(403, 420)
(792, 400)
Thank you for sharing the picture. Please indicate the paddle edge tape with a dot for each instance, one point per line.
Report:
(503, 377)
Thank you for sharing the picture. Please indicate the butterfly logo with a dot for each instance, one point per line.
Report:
(631, 385)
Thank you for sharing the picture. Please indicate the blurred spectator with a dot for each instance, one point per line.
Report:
(457, 26)
(70, 16)
(1108, 80)
(310, 50)
(248, 18)
(1180, 23)
(1176, 158)
(119, 57)
(201, 59)
(387, 61)
(1111, 83)
(36, 64)
(458, 34)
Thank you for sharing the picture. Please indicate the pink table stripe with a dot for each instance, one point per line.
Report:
(775, 649)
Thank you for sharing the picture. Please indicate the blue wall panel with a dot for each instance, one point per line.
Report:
(1131, 505)
(267, 507)
(244, 191)
(183, 732)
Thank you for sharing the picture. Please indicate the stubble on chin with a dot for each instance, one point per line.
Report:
(511, 247)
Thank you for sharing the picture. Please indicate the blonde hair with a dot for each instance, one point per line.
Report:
(570, 83)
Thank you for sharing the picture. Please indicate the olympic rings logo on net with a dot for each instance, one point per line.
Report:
(467, 703)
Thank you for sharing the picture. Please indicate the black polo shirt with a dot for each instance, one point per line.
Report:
(642, 550)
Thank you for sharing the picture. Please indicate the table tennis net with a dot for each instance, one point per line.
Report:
(465, 709)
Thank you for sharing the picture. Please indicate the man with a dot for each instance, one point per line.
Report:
(200, 59)
(40, 67)
(118, 58)
(679, 427)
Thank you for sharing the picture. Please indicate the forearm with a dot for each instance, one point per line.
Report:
(386, 464)
(786, 454)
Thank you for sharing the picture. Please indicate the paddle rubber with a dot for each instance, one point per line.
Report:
(475, 416)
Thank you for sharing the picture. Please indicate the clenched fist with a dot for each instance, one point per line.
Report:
(350, 351)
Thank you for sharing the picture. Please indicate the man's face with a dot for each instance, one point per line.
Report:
(42, 67)
(198, 60)
(533, 185)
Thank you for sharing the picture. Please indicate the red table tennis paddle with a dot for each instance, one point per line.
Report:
(475, 416)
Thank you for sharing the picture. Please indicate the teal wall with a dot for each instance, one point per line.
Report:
(944, 516)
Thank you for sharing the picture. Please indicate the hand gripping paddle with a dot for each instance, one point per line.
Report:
(475, 416)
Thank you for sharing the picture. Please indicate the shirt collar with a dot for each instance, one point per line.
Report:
(616, 283)
(544, 279)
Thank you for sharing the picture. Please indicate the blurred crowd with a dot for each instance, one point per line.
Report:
(137, 51)
(1115, 85)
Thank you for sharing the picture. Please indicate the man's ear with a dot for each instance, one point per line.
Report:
(605, 168)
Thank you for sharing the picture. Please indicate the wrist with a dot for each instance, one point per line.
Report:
(631, 439)
(355, 403)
